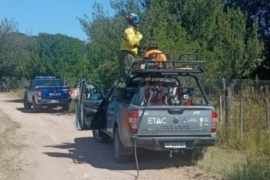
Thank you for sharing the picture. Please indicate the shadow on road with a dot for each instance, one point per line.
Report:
(86, 150)
(57, 112)
(15, 101)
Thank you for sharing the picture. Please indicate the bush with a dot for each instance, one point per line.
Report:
(254, 168)
(72, 106)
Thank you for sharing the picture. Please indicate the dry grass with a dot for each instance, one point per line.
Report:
(6, 128)
(221, 161)
(255, 168)
(236, 165)
(255, 135)
(242, 155)
(72, 106)
(17, 93)
(9, 148)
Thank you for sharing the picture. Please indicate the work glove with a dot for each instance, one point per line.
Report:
(139, 35)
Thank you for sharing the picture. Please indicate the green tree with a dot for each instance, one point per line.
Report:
(58, 55)
(217, 34)
(259, 11)
(13, 49)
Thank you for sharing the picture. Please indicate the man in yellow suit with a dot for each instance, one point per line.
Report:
(129, 44)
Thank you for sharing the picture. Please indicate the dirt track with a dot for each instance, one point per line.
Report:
(55, 150)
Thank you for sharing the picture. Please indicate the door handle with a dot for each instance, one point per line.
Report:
(176, 111)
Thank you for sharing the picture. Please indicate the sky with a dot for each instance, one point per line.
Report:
(50, 16)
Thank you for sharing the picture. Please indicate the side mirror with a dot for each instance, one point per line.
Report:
(76, 100)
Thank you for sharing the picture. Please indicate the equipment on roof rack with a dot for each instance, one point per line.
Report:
(167, 67)
(172, 67)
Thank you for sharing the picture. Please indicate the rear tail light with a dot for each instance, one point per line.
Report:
(214, 122)
(133, 120)
(38, 93)
(69, 92)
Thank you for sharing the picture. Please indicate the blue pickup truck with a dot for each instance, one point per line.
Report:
(46, 91)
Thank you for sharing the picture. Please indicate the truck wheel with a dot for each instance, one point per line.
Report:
(119, 150)
(26, 104)
(36, 108)
(65, 107)
(100, 136)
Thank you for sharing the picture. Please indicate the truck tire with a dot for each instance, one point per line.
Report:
(36, 108)
(119, 151)
(100, 136)
(26, 104)
(65, 107)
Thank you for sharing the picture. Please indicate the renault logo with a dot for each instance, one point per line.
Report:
(176, 120)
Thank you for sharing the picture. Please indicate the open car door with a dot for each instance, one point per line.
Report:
(89, 107)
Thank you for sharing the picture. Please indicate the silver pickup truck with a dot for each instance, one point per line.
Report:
(162, 108)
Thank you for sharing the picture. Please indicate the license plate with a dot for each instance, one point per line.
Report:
(54, 101)
(54, 94)
(175, 145)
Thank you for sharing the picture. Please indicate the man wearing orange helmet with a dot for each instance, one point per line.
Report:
(129, 44)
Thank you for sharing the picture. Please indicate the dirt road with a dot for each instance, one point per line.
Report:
(55, 150)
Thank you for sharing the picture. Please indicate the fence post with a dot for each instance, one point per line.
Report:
(267, 115)
(241, 117)
(227, 110)
(220, 109)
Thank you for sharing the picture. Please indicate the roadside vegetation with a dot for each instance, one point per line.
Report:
(9, 169)
(242, 154)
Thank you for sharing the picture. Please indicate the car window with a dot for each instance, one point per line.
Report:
(91, 92)
(49, 82)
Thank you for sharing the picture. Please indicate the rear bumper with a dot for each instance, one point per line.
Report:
(158, 143)
(53, 102)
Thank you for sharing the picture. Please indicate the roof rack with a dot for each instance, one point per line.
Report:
(146, 67)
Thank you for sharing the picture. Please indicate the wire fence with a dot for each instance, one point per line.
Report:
(243, 105)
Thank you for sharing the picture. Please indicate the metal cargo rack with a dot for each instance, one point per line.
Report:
(146, 67)
(170, 67)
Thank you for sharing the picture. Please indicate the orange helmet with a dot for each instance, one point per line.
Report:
(155, 54)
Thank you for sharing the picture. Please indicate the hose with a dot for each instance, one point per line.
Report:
(136, 138)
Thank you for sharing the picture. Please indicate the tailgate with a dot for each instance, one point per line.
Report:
(175, 121)
(61, 92)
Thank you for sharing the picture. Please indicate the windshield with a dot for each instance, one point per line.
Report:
(49, 82)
